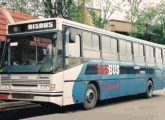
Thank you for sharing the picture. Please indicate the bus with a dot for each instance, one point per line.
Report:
(59, 61)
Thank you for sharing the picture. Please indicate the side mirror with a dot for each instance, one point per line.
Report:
(72, 38)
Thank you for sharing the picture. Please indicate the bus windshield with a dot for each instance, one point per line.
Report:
(29, 53)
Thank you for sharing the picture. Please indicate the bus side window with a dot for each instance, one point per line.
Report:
(74, 53)
(109, 48)
(122, 47)
(125, 50)
(158, 56)
(138, 51)
(163, 54)
(74, 47)
(105, 45)
(113, 46)
(91, 45)
(149, 54)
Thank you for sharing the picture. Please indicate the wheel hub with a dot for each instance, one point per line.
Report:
(90, 95)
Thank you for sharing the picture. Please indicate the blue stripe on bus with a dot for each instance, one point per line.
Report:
(128, 86)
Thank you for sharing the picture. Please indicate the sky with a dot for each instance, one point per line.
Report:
(121, 15)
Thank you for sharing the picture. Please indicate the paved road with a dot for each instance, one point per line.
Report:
(125, 108)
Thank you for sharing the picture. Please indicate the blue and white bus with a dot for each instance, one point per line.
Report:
(64, 62)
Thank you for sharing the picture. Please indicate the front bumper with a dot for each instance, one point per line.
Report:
(39, 96)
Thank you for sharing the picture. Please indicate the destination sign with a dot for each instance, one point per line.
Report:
(31, 27)
(36, 26)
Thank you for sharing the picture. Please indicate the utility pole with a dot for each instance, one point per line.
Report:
(83, 12)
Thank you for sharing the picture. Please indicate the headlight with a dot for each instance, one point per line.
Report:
(45, 87)
(52, 87)
(5, 86)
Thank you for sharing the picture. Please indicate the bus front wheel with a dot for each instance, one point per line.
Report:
(149, 89)
(90, 97)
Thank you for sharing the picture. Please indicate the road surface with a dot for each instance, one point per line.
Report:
(124, 108)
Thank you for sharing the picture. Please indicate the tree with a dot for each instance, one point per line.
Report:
(144, 23)
(31, 7)
(97, 20)
(68, 9)
(58, 8)
(150, 23)
(76, 13)
(133, 12)
(159, 27)
(161, 15)
(108, 9)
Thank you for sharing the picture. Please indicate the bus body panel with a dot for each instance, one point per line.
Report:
(111, 86)
(71, 76)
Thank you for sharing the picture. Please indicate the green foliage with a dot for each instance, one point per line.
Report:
(75, 13)
(97, 20)
(60, 8)
(149, 23)
(31, 7)
(48, 6)
(107, 9)
(132, 13)
(145, 20)
(67, 9)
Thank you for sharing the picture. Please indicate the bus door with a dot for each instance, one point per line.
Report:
(73, 65)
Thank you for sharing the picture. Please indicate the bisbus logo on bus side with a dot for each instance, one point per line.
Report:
(108, 69)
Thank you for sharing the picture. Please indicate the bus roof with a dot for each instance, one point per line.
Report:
(93, 29)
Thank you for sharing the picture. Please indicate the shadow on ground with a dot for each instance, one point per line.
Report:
(49, 109)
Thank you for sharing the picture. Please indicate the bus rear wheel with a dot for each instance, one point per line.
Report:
(149, 89)
(90, 97)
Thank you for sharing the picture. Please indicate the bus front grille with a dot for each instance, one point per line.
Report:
(9, 80)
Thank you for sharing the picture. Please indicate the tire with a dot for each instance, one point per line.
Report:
(149, 89)
(90, 97)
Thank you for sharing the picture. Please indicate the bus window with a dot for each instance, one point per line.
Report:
(122, 48)
(109, 48)
(138, 51)
(87, 41)
(91, 45)
(149, 54)
(141, 50)
(129, 48)
(158, 56)
(163, 52)
(95, 42)
(74, 47)
(74, 53)
(106, 44)
(125, 49)
(113, 46)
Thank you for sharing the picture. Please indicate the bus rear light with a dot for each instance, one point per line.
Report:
(3, 96)
(52, 86)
